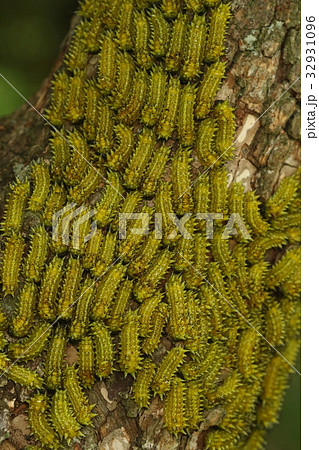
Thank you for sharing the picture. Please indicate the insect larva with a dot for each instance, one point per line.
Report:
(167, 369)
(195, 48)
(181, 181)
(37, 255)
(208, 89)
(142, 35)
(112, 12)
(252, 215)
(62, 416)
(54, 203)
(145, 313)
(124, 79)
(79, 401)
(106, 256)
(186, 125)
(256, 440)
(159, 319)
(129, 246)
(104, 133)
(275, 325)
(87, 185)
(104, 353)
(77, 56)
(284, 195)
(124, 31)
(107, 64)
(246, 352)
(106, 207)
(130, 357)
(184, 253)
(130, 204)
(193, 276)
(176, 298)
(237, 300)
(59, 93)
(225, 129)
(217, 30)
(80, 319)
(236, 199)
(205, 136)
(141, 386)
(86, 362)
(130, 111)
(193, 405)
(49, 287)
(228, 390)
(33, 345)
(212, 308)
(219, 439)
(145, 256)
(125, 141)
(170, 8)
(55, 359)
(92, 251)
(139, 160)
(284, 268)
(261, 244)
(194, 341)
(155, 171)
(24, 312)
(108, 285)
(39, 421)
(286, 222)
(221, 253)
(61, 154)
(159, 33)
(41, 181)
(15, 207)
(155, 98)
(164, 207)
(201, 193)
(119, 306)
(153, 275)
(91, 111)
(93, 33)
(78, 164)
(23, 376)
(74, 108)
(174, 410)
(72, 278)
(218, 189)
(169, 115)
(11, 263)
(292, 286)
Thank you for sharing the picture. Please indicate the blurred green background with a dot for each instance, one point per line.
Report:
(30, 34)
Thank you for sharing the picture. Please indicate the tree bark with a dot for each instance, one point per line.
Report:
(263, 55)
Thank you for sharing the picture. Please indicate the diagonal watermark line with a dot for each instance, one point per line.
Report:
(251, 126)
(60, 316)
(57, 131)
(238, 312)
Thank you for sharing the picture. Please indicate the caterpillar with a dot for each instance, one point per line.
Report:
(253, 216)
(33, 345)
(186, 124)
(130, 204)
(129, 246)
(217, 30)
(59, 92)
(40, 422)
(170, 8)
(164, 207)
(119, 306)
(228, 389)
(82, 229)
(155, 171)
(12, 257)
(25, 309)
(181, 181)
(75, 101)
(237, 299)
(62, 416)
(49, 287)
(221, 253)
(130, 111)
(225, 130)
(145, 314)
(86, 186)
(105, 209)
(41, 180)
(159, 319)
(142, 35)
(15, 207)
(104, 353)
(216, 279)
(208, 88)
(54, 203)
(155, 98)
(218, 189)
(130, 357)
(175, 51)
(256, 440)
(169, 115)
(125, 139)
(257, 275)
(201, 194)
(82, 309)
(275, 325)
(37, 255)
(21, 375)
(193, 276)
(219, 439)
(211, 308)
(147, 252)
(167, 369)
(86, 361)
(147, 283)
(284, 195)
(80, 404)
(55, 359)
(91, 111)
(108, 285)
(292, 287)
(246, 352)
(184, 248)
(124, 79)
(141, 387)
(159, 33)
(195, 48)
(60, 153)
(124, 31)
(106, 256)
(139, 160)
(107, 64)
(194, 341)
(77, 57)
(206, 133)
(104, 132)
(93, 33)
(77, 165)
(70, 287)
(92, 251)
(261, 244)
(284, 268)
(193, 405)
(174, 410)
(176, 298)
(112, 14)
(236, 199)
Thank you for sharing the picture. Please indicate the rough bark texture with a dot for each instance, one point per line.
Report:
(263, 53)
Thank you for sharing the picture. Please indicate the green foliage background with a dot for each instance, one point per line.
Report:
(30, 34)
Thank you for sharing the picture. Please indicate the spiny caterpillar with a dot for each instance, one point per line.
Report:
(142, 34)
(40, 422)
(130, 348)
(155, 98)
(125, 140)
(208, 89)
(24, 314)
(55, 358)
(182, 191)
(15, 207)
(176, 46)
(195, 49)
(104, 357)
(70, 288)
(176, 296)
(130, 111)
(168, 118)
(80, 404)
(159, 33)
(143, 382)
(174, 412)
(62, 415)
(37, 255)
(168, 367)
(82, 309)
(33, 345)
(50, 285)
(107, 64)
(11, 263)
(217, 30)
(155, 170)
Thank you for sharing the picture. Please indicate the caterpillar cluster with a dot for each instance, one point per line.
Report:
(135, 128)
